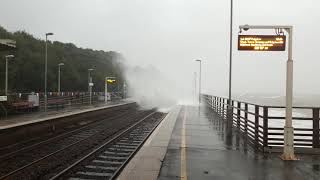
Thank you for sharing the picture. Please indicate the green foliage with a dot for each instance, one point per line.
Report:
(26, 71)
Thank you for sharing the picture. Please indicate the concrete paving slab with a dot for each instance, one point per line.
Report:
(135, 175)
(198, 150)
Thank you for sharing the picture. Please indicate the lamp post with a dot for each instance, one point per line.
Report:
(229, 110)
(6, 85)
(90, 85)
(288, 149)
(229, 107)
(198, 60)
(45, 72)
(59, 77)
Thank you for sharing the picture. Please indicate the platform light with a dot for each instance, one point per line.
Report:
(46, 72)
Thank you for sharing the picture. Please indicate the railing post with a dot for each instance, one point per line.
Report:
(315, 133)
(232, 109)
(238, 115)
(215, 104)
(222, 112)
(82, 98)
(265, 127)
(246, 118)
(225, 108)
(212, 102)
(220, 106)
(256, 125)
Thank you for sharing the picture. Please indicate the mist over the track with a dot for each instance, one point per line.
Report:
(151, 88)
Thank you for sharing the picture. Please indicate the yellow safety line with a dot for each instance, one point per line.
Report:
(183, 170)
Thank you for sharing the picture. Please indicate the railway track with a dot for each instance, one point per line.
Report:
(13, 150)
(40, 163)
(107, 161)
(15, 142)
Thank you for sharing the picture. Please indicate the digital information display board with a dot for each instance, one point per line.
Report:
(261, 43)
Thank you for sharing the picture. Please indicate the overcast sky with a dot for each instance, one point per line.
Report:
(170, 34)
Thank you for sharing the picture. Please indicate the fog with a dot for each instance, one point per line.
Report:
(160, 40)
(149, 87)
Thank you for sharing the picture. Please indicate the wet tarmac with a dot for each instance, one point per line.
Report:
(198, 150)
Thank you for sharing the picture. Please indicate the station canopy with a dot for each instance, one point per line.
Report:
(7, 44)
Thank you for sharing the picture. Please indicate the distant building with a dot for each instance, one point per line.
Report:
(7, 44)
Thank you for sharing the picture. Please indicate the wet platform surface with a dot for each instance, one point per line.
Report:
(198, 150)
(35, 117)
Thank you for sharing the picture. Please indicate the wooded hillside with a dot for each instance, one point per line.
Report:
(26, 71)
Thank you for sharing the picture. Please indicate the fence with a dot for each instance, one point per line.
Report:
(56, 101)
(264, 124)
(20, 102)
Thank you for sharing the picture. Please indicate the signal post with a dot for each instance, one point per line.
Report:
(107, 95)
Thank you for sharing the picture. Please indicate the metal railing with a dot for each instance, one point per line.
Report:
(264, 124)
(69, 100)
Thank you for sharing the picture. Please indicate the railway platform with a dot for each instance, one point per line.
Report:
(37, 117)
(27, 128)
(190, 143)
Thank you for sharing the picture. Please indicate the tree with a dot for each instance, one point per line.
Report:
(26, 72)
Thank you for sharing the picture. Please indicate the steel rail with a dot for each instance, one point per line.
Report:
(63, 172)
(94, 123)
(45, 157)
(116, 174)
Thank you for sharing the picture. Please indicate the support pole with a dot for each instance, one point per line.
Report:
(45, 76)
(229, 106)
(315, 125)
(89, 81)
(90, 91)
(6, 85)
(59, 80)
(200, 85)
(106, 90)
(288, 149)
